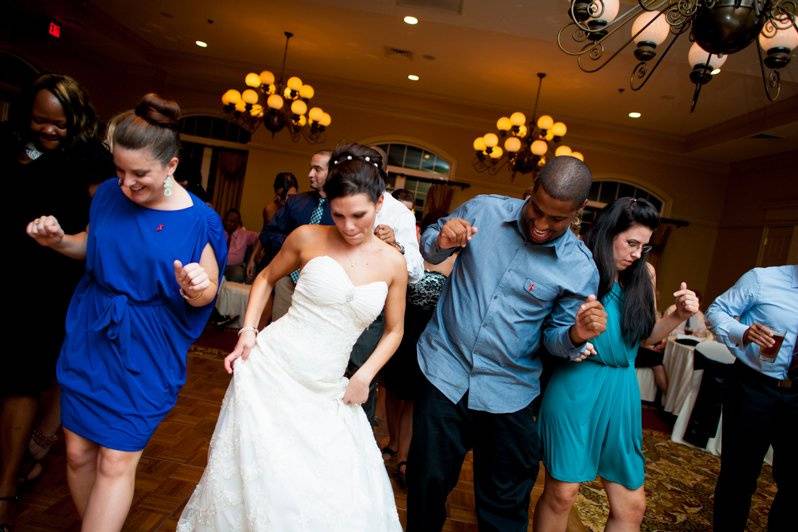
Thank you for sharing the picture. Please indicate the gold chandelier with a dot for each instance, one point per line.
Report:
(520, 144)
(286, 104)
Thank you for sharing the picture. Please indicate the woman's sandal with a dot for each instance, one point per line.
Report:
(38, 449)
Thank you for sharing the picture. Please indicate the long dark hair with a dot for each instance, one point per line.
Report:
(284, 181)
(639, 315)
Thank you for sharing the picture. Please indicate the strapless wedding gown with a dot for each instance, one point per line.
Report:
(287, 454)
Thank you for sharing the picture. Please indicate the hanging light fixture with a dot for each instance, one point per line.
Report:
(520, 144)
(277, 103)
(717, 28)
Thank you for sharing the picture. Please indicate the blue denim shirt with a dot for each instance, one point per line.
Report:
(504, 295)
(768, 296)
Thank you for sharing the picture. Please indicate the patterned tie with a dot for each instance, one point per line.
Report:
(315, 217)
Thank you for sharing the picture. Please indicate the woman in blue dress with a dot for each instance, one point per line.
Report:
(590, 419)
(153, 255)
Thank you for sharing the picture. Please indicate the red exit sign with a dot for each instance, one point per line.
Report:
(54, 30)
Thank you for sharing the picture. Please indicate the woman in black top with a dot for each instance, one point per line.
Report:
(47, 158)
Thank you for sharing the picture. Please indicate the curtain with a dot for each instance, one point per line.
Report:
(439, 199)
(227, 178)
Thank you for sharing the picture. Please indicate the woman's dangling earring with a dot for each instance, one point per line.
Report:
(168, 185)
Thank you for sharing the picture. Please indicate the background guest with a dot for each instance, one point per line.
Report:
(310, 207)
(239, 241)
(405, 197)
(760, 404)
(285, 185)
(47, 158)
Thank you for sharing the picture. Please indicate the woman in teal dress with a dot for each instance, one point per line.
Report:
(590, 418)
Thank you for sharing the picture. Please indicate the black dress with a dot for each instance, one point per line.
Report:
(402, 375)
(40, 281)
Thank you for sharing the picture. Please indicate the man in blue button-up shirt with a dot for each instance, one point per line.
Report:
(760, 405)
(521, 281)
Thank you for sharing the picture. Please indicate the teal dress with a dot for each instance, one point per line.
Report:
(590, 419)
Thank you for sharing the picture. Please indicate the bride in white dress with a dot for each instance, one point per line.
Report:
(292, 449)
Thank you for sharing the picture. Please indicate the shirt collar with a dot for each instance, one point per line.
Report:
(795, 276)
(558, 245)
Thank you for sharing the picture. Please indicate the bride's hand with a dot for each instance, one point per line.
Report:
(246, 341)
(357, 391)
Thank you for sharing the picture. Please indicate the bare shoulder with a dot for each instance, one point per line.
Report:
(308, 235)
(391, 259)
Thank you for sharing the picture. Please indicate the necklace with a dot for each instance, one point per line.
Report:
(32, 152)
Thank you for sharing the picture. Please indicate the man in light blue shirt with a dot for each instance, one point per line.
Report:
(521, 281)
(760, 405)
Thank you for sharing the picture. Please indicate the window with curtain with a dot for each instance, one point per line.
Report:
(421, 172)
(218, 171)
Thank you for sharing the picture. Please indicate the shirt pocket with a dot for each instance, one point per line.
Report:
(542, 292)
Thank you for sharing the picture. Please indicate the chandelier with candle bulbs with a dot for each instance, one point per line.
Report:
(522, 145)
(277, 103)
(716, 28)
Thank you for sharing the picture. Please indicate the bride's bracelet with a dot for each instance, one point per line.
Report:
(242, 330)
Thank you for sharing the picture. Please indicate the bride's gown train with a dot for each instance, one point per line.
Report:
(287, 454)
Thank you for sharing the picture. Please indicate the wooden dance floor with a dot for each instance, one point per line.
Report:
(174, 460)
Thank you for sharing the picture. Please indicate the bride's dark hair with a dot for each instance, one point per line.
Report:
(355, 169)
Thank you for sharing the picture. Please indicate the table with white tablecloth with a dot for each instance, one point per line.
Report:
(232, 301)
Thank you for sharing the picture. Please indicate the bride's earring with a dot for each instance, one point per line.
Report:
(168, 185)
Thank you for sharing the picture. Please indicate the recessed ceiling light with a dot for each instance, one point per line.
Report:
(201, 44)
(413, 77)
(411, 20)
(635, 114)
(715, 72)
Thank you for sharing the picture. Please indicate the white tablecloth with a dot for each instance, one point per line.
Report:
(232, 301)
(648, 388)
(678, 362)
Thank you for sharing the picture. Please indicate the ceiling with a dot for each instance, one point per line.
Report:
(485, 53)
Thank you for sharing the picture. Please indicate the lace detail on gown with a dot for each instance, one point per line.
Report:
(287, 454)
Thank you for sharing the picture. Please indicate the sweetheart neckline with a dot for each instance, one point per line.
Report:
(343, 270)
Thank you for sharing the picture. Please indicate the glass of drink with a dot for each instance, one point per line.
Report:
(768, 354)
